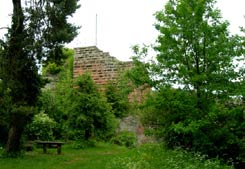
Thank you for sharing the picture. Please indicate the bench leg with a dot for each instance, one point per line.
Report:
(58, 149)
(44, 148)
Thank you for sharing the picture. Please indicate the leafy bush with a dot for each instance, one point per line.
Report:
(125, 138)
(53, 105)
(52, 68)
(69, 56)
(216, 132)
(79, 109)
(117, 99)
(58, 101)
(41, 127)
(90, 115)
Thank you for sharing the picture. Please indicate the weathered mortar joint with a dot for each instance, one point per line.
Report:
(102, 67)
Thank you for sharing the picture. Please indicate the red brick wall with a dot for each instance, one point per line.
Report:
(99, 64)
(104, 68)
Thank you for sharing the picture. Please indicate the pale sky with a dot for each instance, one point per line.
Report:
(123, 23)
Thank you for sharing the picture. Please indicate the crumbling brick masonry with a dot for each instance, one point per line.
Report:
(102, 67)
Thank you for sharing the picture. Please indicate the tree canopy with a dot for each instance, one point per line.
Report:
(198, 101)
(38, 31)
(195, 49)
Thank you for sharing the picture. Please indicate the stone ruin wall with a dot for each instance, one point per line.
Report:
(102, 67)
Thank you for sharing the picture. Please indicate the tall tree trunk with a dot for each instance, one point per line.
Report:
(13, 69)
(20, 115)
(13, 144)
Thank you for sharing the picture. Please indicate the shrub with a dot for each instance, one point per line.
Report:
(52, 68)
(117, 99)
(125, 138)
(216, 132)
(41, 127)
(90, 115)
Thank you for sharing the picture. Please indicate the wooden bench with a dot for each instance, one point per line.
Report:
(50, 144)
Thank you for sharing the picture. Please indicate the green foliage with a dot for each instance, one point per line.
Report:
(65, 62)
(125, 138)
(197, 54)
(139, 74)
(107, 156)
(77, 106)
(18, 118)
(52, 69)
(6, 106)
(219, 133)
(117, 99)
(90, 115)
(57, 101)
(41, 128)
(155, 156)
(166, 107)
(38, 31)
(49, 28)
(69, 61)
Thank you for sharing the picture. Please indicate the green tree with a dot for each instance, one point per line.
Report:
(56, 99)
(195, 50)
(5, 104)
(49, 28)
(117, 99)
(91, 115)
(41, 128)
(139, 74)
(36, 35)
(196, 54)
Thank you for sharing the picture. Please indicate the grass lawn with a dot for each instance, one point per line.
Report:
(107, 156)
(90, 158)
